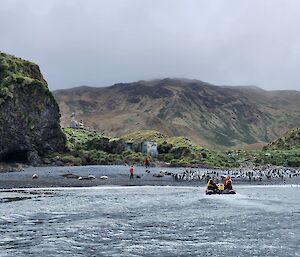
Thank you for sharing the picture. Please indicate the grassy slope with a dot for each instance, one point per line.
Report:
(284, 151)
(15, 70)
(289, 140)
(209, 115)
(82, 145)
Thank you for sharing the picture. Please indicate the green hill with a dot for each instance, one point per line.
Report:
(289, 140)
(211, 116)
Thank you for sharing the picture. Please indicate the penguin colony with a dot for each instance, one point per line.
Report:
(251, 175)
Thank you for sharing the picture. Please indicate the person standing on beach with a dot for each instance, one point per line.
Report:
(131, 171)
(147, 162)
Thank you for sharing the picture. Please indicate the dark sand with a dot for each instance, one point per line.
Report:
(117, 175)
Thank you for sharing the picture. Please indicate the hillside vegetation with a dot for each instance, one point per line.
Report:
(87, 147)
(289, 140)
(284, 151)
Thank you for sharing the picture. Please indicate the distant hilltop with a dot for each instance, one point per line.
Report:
(216, 116)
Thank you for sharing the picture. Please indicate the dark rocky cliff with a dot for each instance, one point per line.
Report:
(29, 115)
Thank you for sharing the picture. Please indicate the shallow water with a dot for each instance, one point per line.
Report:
(151, 221)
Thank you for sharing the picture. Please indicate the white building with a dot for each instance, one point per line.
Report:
(73, 122)
(150, 148)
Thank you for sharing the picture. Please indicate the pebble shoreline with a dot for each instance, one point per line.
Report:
(118, 175)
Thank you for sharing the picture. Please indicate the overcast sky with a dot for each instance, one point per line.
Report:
(102, 42)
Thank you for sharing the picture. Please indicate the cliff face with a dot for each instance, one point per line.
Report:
(29, 115)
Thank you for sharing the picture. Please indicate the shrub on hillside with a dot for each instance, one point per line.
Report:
(70, 159)
(294, 162)
(164, 148)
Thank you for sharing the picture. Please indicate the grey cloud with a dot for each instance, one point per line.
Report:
(233, 42)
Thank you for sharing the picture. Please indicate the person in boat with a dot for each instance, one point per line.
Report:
(228, 183)
(211, 185)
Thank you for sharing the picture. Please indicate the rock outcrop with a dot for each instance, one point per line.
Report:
(29, 115)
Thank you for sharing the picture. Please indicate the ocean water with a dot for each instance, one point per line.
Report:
(150, 221)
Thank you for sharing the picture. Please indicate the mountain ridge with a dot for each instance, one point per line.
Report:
(218, 116)
(241, 87)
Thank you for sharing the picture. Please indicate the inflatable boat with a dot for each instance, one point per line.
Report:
(220, 192)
